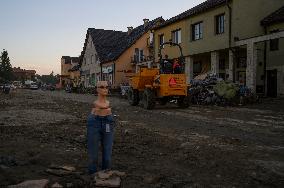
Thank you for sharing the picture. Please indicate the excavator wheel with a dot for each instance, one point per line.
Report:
(163, 101)
(183, 102)
(133, 97)
(148, 99)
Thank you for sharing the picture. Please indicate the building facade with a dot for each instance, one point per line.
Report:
(210, 36)
(69, 72)
(23, 74)
(90, 66)
(101, 49)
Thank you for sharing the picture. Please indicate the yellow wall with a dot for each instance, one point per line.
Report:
(246, 17)
(74, 74)
(124, 61)
(65, 68)
(75, 77)
(210, 41)
(172, 52)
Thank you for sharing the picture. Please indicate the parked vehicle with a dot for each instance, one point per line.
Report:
(49, 87)
(6, 88)
(34, 86)
(18, 84)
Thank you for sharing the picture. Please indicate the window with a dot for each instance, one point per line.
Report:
(220, 24)
(197, 31)
(161, 40)
(151, 38)
(141, 55)
(222, 64)
(274, 44)
(242, 62)
(92, 59)
(176, 36)
(136, 55)
(197, 68)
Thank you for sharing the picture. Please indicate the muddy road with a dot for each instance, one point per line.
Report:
(202, 146)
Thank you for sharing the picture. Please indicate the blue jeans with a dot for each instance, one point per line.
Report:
(100, 130)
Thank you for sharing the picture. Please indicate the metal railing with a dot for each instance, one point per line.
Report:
(138, 59)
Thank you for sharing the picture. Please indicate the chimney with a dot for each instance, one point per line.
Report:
(129, 30)
(146, 22)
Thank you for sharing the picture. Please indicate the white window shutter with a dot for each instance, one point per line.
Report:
(179, 36)
(151, 37)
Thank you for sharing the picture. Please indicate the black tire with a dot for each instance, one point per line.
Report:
(148, 99)
(163, 101)
(133, 97)
(183, 102)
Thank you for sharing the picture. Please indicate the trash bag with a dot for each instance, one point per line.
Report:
(226, 90)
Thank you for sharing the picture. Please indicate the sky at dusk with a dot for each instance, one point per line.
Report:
(37, 33)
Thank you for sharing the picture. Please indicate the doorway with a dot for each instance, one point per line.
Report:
(272, 83)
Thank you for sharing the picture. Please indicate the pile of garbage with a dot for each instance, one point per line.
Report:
(208, 89)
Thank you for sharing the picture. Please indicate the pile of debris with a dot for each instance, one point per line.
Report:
(208, 89)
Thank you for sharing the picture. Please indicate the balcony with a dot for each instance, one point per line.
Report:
(140, 59)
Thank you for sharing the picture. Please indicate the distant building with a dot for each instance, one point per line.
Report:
(69, 70)
(23, 74)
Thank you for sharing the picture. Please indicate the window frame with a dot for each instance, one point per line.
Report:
(274, 43)
(163, 37)
(176, 36)
(220, 24)
(200, 31)
(141, 55)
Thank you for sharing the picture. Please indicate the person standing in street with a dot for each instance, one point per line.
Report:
(100, 130)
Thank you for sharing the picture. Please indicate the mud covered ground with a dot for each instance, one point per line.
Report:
(202, 146)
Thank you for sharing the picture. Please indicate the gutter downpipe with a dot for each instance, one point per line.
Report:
(230, 23)
(101, 66)
(230, 35)
(265, 65)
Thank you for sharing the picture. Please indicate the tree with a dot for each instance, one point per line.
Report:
(6, 71)
(50, 78)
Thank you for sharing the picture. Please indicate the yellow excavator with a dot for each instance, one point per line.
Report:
(163, 84)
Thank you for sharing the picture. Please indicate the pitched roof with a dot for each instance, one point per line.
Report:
(205, 6)
(137, 32)
(275, 17)
(111, 44)
(108, 43)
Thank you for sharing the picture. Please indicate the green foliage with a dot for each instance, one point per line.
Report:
(49, 79)
(6, 71)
